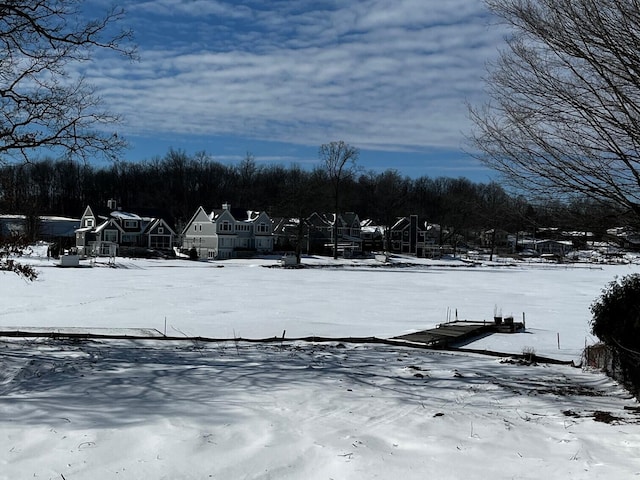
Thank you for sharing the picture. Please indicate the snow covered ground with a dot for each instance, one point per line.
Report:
(191, 410)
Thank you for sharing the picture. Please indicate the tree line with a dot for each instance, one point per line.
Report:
(178, 183)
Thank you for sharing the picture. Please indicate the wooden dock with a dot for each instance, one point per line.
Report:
(459, 331)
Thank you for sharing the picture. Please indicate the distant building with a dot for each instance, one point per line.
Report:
(548, 247)
(412, 236)
(322, 233)
(112, 231)
(372, 236)
(494, 238)
(49, 228)
(315, 234)
(224, 233)
(625, 237)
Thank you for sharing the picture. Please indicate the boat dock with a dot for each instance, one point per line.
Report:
(456, 332)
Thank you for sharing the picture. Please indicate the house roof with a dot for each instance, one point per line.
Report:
(252, 216)
(199, 211)
(556, 242)
(125, 215)
(372, 229)
(101, 227)
(109, 222)
(97, 212)
(141, 214)
(238, 214)
(281, 225)
(350, 218)
(402, 223)
(155, 223)
(217, 213)
(317, 221)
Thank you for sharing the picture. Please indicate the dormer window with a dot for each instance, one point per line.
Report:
(225, 227)
(88, 222)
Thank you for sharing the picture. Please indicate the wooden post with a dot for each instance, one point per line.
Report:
(558, 340)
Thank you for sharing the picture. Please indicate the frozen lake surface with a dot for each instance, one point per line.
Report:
(192, 410)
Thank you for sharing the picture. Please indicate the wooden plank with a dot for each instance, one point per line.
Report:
(448, 333)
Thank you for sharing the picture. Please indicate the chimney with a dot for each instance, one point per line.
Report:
(226, 206)
(112, 204)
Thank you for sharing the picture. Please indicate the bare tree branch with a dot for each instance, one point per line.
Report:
(564, 109)
(338, 160)
(42, 105)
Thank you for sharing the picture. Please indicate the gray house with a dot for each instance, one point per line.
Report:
(224, 233)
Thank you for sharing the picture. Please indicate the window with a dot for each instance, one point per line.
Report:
(130, 224)
(160, 242)
(263, 228)
(110, 236)
(225, 227)
(88, 222)
(129, 238)
(160, 230)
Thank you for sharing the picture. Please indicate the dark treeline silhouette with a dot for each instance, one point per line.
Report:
(178, 184)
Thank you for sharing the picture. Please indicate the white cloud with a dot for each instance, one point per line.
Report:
(380, 74)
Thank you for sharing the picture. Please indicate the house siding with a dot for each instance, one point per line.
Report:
(121, 229)
(220, 235)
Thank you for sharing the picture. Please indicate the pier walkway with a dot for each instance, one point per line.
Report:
(447, 334)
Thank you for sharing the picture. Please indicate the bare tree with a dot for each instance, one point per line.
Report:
(43, 104)
(387, 196)
(338, 159)
(493, 211)
(564, 109)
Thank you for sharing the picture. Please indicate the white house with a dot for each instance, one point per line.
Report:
(224, 234)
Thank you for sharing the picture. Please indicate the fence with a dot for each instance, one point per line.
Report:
(618, 362)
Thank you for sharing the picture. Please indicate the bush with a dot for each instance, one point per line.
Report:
(193, 253)
(616, 321)
(616, 314)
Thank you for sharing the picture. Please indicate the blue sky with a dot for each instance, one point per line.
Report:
(278, 78)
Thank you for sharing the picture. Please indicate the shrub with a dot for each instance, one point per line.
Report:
(616, 314)
(193, 253)
(529, 354)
